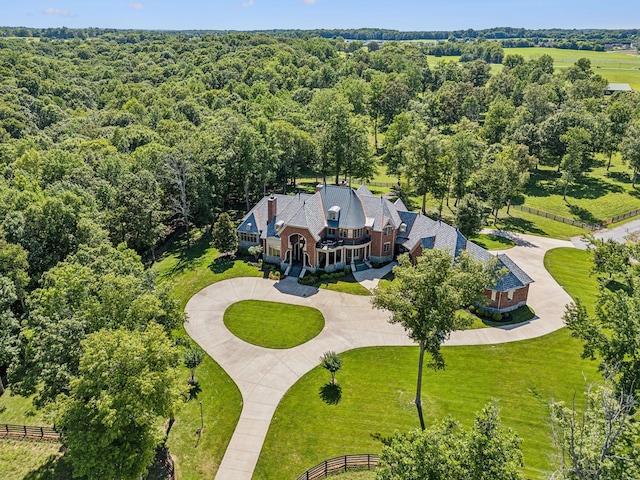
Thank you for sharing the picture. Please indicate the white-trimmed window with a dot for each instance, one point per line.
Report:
(357, 233)
(343, 233)
(386, 247)
(493, 295)
(273, 251)
(510, 295)
(387, 230)
(248, 237)
(331, 232)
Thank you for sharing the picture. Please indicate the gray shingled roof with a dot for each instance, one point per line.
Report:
(381, 211)
(362, 207)
(351, 211)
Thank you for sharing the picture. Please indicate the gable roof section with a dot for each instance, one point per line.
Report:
(515, 277)
(400, 206)
(379, 212)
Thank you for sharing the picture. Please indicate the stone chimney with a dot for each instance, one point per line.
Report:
(272, 208)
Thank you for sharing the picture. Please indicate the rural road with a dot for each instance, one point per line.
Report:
(264, 375)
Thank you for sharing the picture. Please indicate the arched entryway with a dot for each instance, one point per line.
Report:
(298, 255)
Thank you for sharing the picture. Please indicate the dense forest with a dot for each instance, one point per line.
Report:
(110, 144)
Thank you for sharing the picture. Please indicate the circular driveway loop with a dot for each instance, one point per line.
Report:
(264, 375)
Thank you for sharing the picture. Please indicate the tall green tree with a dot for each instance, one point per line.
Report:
(611, 334)
(224, 236)
(597, 441)
(630, 149)
(97, 287)
(424, 298)
(125, 389)
(446, 451)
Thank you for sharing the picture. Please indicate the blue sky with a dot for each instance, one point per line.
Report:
(306, 14)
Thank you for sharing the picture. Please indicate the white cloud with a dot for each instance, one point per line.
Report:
(249, 3)
(136, 5)
(56, 11)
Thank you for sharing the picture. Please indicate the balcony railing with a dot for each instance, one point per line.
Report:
(331, 244)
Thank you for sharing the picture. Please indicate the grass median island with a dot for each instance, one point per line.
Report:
(378, 388)
(273, 324)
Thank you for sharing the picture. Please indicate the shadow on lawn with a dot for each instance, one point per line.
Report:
(194, 390)
(55, 468)
(584, 215)
(520, 225)
(222, 264)
(331, 393)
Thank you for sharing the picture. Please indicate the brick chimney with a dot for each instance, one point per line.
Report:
(272, 208)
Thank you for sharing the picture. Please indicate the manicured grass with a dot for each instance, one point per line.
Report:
(377, 390)
(221, 405)
(490, 241)
(273, 324)
(188, 273)
(598, 196)
(571, 268)
(347, 284)
(32, 460)
(355, 475)
(524, 222)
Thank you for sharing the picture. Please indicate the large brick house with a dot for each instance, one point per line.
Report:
(340, 227)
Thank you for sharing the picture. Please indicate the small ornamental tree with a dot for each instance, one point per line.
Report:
(609, 256)
(255, 250)
(225, 239)
(192, 358)
(332, 362)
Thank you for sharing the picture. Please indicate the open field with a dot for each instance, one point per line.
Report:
(273, 324)
(565, 58)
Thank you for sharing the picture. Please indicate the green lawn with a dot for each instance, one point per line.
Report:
(18, 410)
(273, 324)
(377, 390)
(598, 196)
(20, 460)
(346, 284)
(490, 241)
(564, 58)
(524, 222)
(571, 267)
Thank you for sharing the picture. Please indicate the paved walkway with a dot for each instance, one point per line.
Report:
(616, 233)
(264, 375)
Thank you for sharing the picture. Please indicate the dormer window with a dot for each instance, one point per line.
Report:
(334, 213)
(403, 227)
(387, 230)
(249, 225)
(279, 225)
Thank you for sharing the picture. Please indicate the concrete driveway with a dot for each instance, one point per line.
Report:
(264, 375)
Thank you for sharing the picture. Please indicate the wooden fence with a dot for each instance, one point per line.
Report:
(624, 216)
(366, 461)
(558, 218)
(26, 432)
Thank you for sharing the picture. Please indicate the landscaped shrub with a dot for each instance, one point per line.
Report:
(472, 308)
(481, 312)
(497, 317)
(274, 275)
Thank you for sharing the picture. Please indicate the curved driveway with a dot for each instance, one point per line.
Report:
(264, 375)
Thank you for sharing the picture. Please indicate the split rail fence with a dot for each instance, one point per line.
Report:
(366, 461)
(26, 432)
